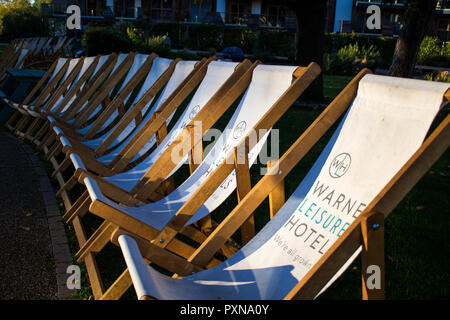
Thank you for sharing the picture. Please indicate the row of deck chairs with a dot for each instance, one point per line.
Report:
(103, 124)
(27, 51)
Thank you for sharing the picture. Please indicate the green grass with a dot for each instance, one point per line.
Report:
(417, 231)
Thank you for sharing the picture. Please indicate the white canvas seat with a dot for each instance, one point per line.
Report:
(381, 132)
(139, 60)
(86, 64)
(119, 61)
(61, 62)
(267, 92)
(30, 109)
(182, 70)
(217, 74)
(159, 66)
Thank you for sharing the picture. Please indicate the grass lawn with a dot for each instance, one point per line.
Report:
(417, 231)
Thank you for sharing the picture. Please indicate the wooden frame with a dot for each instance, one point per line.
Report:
(165, 239)
(367, 230)
(88, 155)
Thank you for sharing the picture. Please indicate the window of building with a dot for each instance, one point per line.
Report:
(274, 16)
(199, 10)
(238, 13)
(124, 8)
(161, 10)
(95, 7)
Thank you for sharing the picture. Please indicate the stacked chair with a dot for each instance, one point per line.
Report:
(117, 128)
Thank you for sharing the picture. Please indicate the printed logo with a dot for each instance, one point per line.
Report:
(194, 111)
(340, 165)
(239, 130)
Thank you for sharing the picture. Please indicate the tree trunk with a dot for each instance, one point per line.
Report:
(418, 20)
(310, 40)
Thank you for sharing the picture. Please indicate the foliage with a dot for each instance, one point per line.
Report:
(385, 45)
(350, 59)
(441, 77)
(174, 30)
(205, 36)
(433, 53)
(100, 40)
(22, 19)
(277, 43)
(243, 38)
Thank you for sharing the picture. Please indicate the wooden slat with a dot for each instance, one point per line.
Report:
(405, 179)
(243, 186)
(372, 256)
(277, 196)
(210, 113)
(267, 183)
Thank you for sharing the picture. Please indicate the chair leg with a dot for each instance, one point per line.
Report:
(79, 208)
(42, 131)
(14, 116)
(119, 287)
(62, 167)
(31, 128)
(373, 266)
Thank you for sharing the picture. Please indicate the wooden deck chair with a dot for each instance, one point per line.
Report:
(337, 212)
(160, 73)
(213, 81)
(184, 77)
(176, 91)
(271, 91)
(55, 50)
(49, 80)
(116, 108)
(99, 94)
(80, 117)
(60, 71)
(66, 68)
(60, 101)
(32, 111)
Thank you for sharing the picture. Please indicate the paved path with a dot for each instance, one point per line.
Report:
(33, 248)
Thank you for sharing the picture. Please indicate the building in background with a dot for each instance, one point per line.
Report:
(341, 16)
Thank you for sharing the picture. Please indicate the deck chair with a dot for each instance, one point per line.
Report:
(216, 78)
(158, 67)
(52, 86)
(182, 82)
(138, 113)
(113, 110)
(64, 77)
(263, 101)
(34, 110)
(16, 62)
(374, 158)
(111, 96)
(41, 89)
(92, 68)
(97, 96)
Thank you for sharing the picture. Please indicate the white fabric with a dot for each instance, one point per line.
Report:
(138, 61)
(216, 75)
(182, 70)
(159, 66)
(267, 86)
(384, 127)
